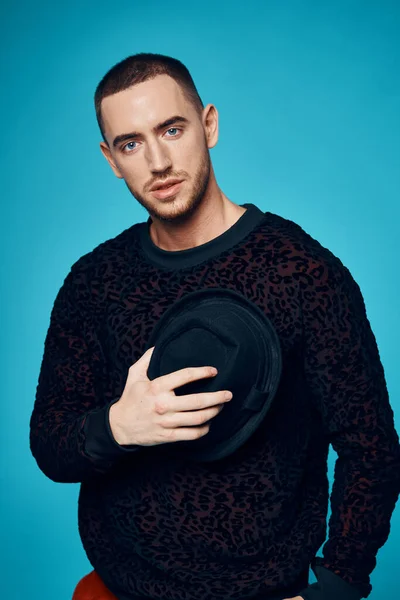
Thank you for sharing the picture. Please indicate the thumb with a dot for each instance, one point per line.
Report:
(141, 365)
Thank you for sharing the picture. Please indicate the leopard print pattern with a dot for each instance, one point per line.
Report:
(157, 525)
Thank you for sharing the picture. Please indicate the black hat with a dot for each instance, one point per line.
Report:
(221, 328)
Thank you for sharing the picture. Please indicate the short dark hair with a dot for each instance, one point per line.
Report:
(141, 67)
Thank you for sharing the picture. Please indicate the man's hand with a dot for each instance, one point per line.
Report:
(295, 598)
(150, 413)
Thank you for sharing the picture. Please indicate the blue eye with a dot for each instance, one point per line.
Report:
(126, 146)
(129, 146)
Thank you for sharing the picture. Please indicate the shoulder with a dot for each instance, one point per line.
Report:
(327, 290)
(304, 256)
(91, 274)
(109, 252)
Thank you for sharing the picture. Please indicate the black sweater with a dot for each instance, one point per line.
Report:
(159, 526)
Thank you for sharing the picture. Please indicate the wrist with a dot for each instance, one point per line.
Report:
(116, 424)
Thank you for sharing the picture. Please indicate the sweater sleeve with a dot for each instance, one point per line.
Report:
(70, 434)
(347, 385)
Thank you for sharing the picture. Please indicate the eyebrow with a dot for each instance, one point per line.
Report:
(128, 136)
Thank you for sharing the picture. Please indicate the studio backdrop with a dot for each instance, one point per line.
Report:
(308, 99)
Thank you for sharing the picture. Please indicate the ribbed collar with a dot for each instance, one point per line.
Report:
(179, 259)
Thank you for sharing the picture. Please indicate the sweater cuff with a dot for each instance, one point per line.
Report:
(100, 443)
(329, 586)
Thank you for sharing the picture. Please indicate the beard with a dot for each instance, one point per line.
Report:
(187, 207)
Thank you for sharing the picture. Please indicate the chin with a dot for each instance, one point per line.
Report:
(174, 209)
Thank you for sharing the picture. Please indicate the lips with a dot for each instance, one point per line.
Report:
(165, 184)
(167, 190)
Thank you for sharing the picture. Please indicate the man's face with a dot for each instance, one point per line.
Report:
(144, 149)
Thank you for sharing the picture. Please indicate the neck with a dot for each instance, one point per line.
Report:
(212, 217)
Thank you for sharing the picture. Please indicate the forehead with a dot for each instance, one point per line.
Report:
(144, 105)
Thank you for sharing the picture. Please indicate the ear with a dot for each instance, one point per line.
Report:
(107, 154)
(210, 124)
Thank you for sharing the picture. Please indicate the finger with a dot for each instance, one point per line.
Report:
(200, 400)
(190, 418)
(170, 381)
(140, 367)
(180, 434)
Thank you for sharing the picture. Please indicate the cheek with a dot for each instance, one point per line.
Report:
(133, 174)
(189, 152)
(192, 157)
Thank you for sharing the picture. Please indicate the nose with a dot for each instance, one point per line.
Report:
(157, 157)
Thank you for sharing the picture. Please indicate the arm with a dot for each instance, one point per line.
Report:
(347, 385)
(70, 435)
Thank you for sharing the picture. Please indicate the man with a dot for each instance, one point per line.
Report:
(249, 525)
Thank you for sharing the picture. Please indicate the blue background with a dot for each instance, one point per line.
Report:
(308, 96)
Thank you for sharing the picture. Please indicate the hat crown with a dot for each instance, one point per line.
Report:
(220, 328)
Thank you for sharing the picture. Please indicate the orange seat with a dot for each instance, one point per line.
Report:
(91, 587)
